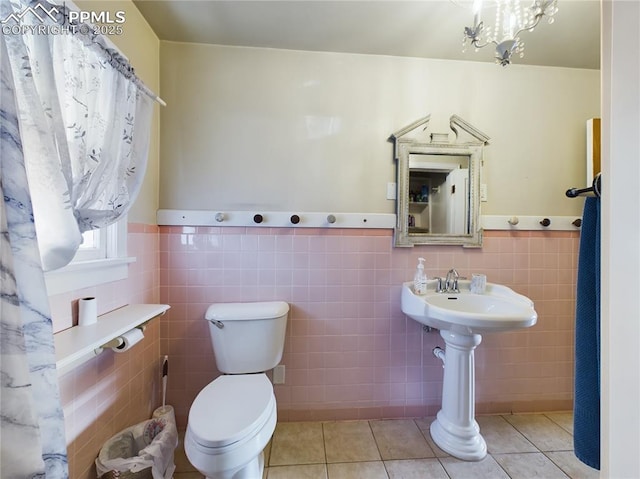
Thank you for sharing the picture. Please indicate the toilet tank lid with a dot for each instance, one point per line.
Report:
(247, 311)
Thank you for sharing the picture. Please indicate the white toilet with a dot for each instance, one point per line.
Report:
(233, 418)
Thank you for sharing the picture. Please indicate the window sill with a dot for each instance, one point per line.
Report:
(85, 274)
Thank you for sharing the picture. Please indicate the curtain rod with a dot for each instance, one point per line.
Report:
(119, 61)
(150, 92)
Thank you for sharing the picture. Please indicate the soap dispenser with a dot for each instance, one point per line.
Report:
(420, 279)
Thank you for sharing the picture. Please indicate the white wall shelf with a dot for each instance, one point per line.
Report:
(78, 344)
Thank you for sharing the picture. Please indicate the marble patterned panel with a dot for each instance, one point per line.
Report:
(30, 408)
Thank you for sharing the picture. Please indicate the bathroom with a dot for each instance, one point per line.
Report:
(350, 353)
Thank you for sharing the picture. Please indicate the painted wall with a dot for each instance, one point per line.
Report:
(290, 130)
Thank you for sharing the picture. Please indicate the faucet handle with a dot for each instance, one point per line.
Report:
(439, 288)
(451, 283)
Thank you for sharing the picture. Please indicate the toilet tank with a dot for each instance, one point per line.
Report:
(247, 337)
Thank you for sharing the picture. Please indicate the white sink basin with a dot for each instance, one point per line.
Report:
(499, 309)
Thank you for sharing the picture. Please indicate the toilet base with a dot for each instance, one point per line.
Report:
(231, 462)
(253, 470)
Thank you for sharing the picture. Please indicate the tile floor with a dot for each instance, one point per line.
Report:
(521, 446)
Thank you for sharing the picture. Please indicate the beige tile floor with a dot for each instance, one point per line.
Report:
(521, 446)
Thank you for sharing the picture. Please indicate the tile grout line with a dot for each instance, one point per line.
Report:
(386, 471)
(558, 463)
(556, 422)
(520, 432)
(324, 449)
(555, 463)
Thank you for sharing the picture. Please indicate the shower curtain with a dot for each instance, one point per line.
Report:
(74, 133)
(32, 427)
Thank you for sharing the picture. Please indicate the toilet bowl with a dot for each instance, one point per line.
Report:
(233, 418)
(230, 423)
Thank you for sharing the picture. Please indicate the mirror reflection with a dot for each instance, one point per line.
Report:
(438, 194)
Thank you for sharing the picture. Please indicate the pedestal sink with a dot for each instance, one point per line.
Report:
(462, 318)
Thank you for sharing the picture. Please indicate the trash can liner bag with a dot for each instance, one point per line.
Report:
(148, 444)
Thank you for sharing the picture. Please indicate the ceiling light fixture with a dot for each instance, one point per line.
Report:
(511, 20)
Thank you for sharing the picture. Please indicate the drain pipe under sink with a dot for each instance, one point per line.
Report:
(439, 353)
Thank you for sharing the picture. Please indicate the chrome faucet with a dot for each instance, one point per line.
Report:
(451, 282)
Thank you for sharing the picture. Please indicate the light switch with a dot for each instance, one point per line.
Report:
(391, 191)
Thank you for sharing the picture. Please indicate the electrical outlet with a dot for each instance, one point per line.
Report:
(391, 191)
(278, 374)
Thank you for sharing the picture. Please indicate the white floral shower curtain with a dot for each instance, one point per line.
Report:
(75, 124)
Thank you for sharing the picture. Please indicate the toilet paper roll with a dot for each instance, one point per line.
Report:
(87, 311)
(129, 339)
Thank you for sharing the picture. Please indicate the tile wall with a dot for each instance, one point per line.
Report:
(350, 352)
(112, 391)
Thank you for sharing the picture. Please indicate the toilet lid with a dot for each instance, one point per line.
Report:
(230, 408)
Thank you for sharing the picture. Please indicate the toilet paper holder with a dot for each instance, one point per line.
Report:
(119, 340)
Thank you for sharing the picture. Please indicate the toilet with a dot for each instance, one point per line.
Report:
(233, 418)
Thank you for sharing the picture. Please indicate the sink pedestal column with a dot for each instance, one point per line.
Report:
(455, 429)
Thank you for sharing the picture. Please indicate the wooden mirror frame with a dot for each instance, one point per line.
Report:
(472, 148)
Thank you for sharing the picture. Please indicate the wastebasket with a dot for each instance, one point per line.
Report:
(143, 451)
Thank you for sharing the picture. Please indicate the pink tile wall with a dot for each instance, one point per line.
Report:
(112, 391)
(350, 352)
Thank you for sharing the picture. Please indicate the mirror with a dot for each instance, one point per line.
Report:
(438, 197)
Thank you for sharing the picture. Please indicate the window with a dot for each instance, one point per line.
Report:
(92, 247)
(101, 258)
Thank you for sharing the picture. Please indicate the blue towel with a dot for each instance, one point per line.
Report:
(586, 407)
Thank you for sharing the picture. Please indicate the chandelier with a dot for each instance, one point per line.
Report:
(511, 20)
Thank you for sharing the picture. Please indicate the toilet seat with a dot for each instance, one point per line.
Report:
(230, 408)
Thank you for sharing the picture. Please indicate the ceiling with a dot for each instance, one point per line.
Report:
(426, 29)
